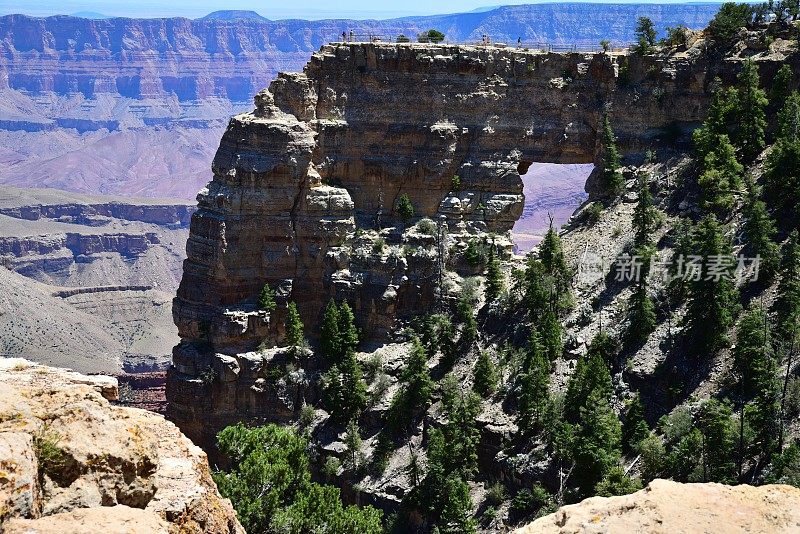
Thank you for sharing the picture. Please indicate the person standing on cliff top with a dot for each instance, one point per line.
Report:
(344, 37)
(519, 42)
(351, 36)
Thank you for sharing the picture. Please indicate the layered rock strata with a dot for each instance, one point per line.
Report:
(307, 188)
(73, 462)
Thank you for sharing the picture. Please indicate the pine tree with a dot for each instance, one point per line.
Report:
(760, 230)
(751, 351)
(603, 346)
(719, 120)
(538, 288)
(352, 442)
(469, 329)
(347, 331)
(452, 459)
(611, 180)
(721, 179)
(344, 389)
(484, 375)
(294, 327)
(534, 385)
(266, 299)
(591, 374)
(781, 86)
(447, 340)
(269, 484)
(684, 247)
(456, 507)
(641, 310)
(494, 277)
(641, 315)
(645, 36)
(787, 302)
(329, 334)
(789, 118)
(416, 387)
(714, 301)
(405, 209)
(635, 428)
(551, 334)
(750, 113)
(597, 442)
(461, 435)
(645, 217)
(551, 254)
(715, 422)
(766, 412)
(782, 181)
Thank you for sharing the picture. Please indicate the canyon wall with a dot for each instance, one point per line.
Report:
(307, 186)
(136, 107)
(87, 281)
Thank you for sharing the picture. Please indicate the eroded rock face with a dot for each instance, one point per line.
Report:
(71, 461)
(666, 506)
(307, 186)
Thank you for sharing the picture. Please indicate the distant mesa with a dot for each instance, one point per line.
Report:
(90, 15)
(234, 15)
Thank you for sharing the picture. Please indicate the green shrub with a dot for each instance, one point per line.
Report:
(426, 226)
(266, 299)
(528, 501)
(207, 376)
(378, 245)
(269, 484)
(730, 18)
(307, 415)
(677, 36)
(403, 39)
(496, 494)
(51, 458)
(455, 183)
(431, 36)
(404, 208)
(477, 252)
(591, 213)
(331, 468)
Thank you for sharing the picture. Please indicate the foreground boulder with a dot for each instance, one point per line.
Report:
(70, 461)
(666, 506)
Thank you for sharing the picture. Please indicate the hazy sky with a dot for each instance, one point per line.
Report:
(272, 9)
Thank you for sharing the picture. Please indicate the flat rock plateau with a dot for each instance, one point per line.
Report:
(665, 507)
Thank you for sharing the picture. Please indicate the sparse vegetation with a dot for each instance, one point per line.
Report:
(404, 208)
(270, 485)
(266, 299)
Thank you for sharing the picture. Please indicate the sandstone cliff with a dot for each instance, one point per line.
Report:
(306, 187)
(665, 507)
(72, 462)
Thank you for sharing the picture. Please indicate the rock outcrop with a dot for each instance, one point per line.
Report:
(70, 461)
(307, 187)
(666, 506)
